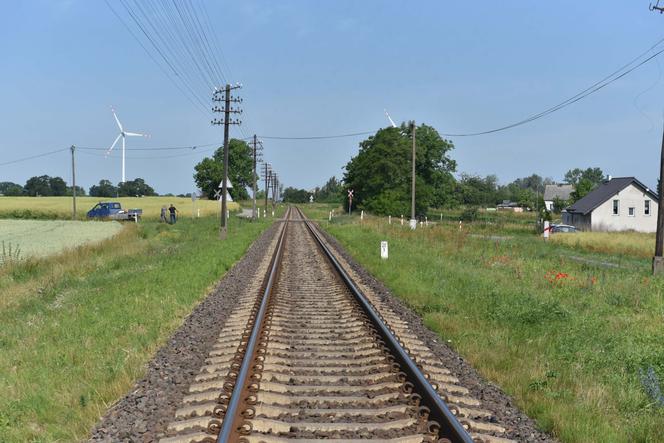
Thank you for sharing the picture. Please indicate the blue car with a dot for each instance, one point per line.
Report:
(114, 211)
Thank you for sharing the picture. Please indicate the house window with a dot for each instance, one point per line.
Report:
(646, 207)
(630, 212)
(615, 207)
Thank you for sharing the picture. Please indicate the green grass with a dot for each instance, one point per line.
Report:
(635, 244)
(566, 339)
(77, 329)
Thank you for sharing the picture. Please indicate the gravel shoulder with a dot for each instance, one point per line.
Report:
(520, 427)
(143, 414)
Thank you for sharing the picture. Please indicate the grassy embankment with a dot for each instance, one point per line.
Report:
(572, 342)
(78, 328)
(61, 207)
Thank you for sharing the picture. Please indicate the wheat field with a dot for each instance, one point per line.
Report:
(61, 207)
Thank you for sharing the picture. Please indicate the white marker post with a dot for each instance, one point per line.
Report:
(329, 217)
(426, 221)
(383, 250)
(389, 219)
(362, 215)
(547, 230)
(413, 224)
(401, 219)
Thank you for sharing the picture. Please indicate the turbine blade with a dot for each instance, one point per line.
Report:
(116, 119)
(113, 145)
(136, 134)
(390, 119)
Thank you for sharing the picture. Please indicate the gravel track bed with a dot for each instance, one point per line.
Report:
(520, 427)
(143, 414)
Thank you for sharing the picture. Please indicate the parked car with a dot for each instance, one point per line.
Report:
(568, 229)
(114, 211)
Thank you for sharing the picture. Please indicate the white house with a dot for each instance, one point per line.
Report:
(551, 192)
(619, 204)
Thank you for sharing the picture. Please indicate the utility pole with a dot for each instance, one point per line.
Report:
(225, 96)
(658, 259)
(413, 221)
(73, 181)
(266, 174)
(255, 143)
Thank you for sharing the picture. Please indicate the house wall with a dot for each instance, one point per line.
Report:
(604, 220)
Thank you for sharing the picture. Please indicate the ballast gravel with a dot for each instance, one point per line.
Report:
(143, 414)
(520, 427)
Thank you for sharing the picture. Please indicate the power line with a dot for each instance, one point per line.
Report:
(154, 148)
(601, 84)
(33, 157)
(316, 137)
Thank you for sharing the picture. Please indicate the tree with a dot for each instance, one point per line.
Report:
(584, 181)
(380, 174)
(79, 191)
(331, 192)
(293, 195)
(38, 186)
(135, 188)
(210, 171)
(58, 186)
(10, 189)
(475, 190)
(104, 189)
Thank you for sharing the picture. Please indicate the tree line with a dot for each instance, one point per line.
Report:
(380, 176)
(46, 186)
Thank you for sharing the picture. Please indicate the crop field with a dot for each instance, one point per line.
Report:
(78, 328)
(61, 207)
(577, 344)
(39, 238)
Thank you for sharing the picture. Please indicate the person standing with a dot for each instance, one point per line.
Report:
(173, 210)
(162, 219)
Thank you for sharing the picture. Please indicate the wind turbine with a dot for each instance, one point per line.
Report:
(122, 134)
(390, 119)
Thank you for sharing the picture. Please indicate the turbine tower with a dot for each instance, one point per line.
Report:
(122, 134)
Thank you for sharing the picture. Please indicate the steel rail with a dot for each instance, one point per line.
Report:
(228, 427)
(450, 428)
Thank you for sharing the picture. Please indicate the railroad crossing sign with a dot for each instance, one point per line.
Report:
(217, 194)
(350, 201)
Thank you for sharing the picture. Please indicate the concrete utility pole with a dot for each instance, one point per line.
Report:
(227, 110)
(73, 181)
(413, 221)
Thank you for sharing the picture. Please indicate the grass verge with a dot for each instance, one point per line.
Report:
(578, 346)
(77, 329)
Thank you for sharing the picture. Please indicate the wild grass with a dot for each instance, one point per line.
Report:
(52, 208)
(636, 244)
(44, 237)
(568, 340)
(78, 328)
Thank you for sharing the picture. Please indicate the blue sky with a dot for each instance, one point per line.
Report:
(329, 67)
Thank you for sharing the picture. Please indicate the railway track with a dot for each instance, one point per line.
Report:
(307, 355)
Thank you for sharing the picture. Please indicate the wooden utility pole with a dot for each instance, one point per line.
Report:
(227, 99)
(266, 174)
(658, 260)
(413, 221)
(253, 213)
(73, 181)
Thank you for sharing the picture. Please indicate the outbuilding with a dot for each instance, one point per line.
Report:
(618, 204)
